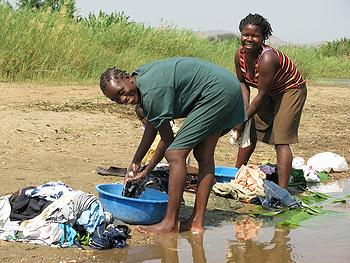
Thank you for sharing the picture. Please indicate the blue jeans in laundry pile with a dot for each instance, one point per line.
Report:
(109, 236)
(277, 197)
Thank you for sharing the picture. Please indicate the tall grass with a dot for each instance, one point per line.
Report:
(333, 59)
(49, 46)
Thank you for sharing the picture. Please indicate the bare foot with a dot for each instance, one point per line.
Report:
(160, 228)
(189, 225)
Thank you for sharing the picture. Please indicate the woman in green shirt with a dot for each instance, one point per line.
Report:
(207, 96)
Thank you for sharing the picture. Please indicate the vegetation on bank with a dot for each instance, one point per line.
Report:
(49, 43)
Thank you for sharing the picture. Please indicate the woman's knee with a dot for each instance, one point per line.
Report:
(203, 156)
(282, 147)
(176, 155)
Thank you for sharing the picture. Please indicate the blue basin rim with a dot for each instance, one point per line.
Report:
(98, 188)
(225, 171)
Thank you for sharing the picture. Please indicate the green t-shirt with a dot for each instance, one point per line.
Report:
(170, 87)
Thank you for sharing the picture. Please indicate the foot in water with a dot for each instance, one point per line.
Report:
(160, 228)
(189, 225)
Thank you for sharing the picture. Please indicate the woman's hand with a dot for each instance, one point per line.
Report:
(239, 130)
(137, 177)
(132, 171)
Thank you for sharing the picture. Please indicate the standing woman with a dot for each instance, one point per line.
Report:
(207, 96)
(276, 109)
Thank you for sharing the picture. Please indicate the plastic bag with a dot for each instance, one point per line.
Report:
(328, 161)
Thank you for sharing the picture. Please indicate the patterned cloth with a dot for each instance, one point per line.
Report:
(109, 236)
(247, 184)
(50, 191)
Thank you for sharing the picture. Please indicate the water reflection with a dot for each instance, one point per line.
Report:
(248, 242)
(248, 247)
(196, 242)
(165, 249)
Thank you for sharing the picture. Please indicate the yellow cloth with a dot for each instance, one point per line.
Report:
(154, 145)
(151, 151)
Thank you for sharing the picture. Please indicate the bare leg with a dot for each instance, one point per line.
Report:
(204, 154)
(196, 242)
(245, 153)
(284, 163)
(177, 181)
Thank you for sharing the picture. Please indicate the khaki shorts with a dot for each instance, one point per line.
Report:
(278, 119)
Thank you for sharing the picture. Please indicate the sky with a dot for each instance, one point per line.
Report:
(296, 21)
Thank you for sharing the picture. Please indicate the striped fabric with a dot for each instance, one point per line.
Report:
(286, 77)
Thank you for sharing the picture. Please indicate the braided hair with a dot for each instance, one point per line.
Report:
(111, 74)
(258, 20)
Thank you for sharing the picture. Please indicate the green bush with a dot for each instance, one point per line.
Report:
(338, 48)
(46, 45)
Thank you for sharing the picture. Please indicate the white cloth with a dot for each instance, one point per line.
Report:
(50, 191)
(309, 172)
(328, 161)
(8, 228)
(244, 140)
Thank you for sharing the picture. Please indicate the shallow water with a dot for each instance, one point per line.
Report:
(323, 238)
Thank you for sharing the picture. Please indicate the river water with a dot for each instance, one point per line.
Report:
(323, 238)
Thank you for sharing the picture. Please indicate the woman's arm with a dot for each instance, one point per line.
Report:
(244, 88)
(167, 137)
(148, 137)
(267, 67)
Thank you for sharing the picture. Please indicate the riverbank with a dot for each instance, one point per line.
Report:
(61, 133)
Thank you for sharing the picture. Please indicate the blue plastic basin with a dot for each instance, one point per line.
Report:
(149, 209)
(225, 174)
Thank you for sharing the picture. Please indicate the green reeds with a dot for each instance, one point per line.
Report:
(49, 46)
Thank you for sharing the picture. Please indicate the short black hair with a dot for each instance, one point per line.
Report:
(111, 74)
(258, 20)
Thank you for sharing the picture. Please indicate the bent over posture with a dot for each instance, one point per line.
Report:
(210, 100)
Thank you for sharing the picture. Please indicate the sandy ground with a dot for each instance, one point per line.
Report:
(51, 133)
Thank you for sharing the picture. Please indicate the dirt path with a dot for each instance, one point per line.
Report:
(51, 133)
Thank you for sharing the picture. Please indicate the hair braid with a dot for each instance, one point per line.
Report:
(111, 74)
(258, 20)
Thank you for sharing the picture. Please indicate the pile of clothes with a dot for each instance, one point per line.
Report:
(251, 186)
(54, 214)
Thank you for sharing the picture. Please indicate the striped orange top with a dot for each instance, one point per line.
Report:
(286, 77)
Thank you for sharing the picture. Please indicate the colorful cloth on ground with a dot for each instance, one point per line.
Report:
(50, 191)
(109, 236)
(45, 227)
(58, 223)
(25, 207)
(247, 184)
